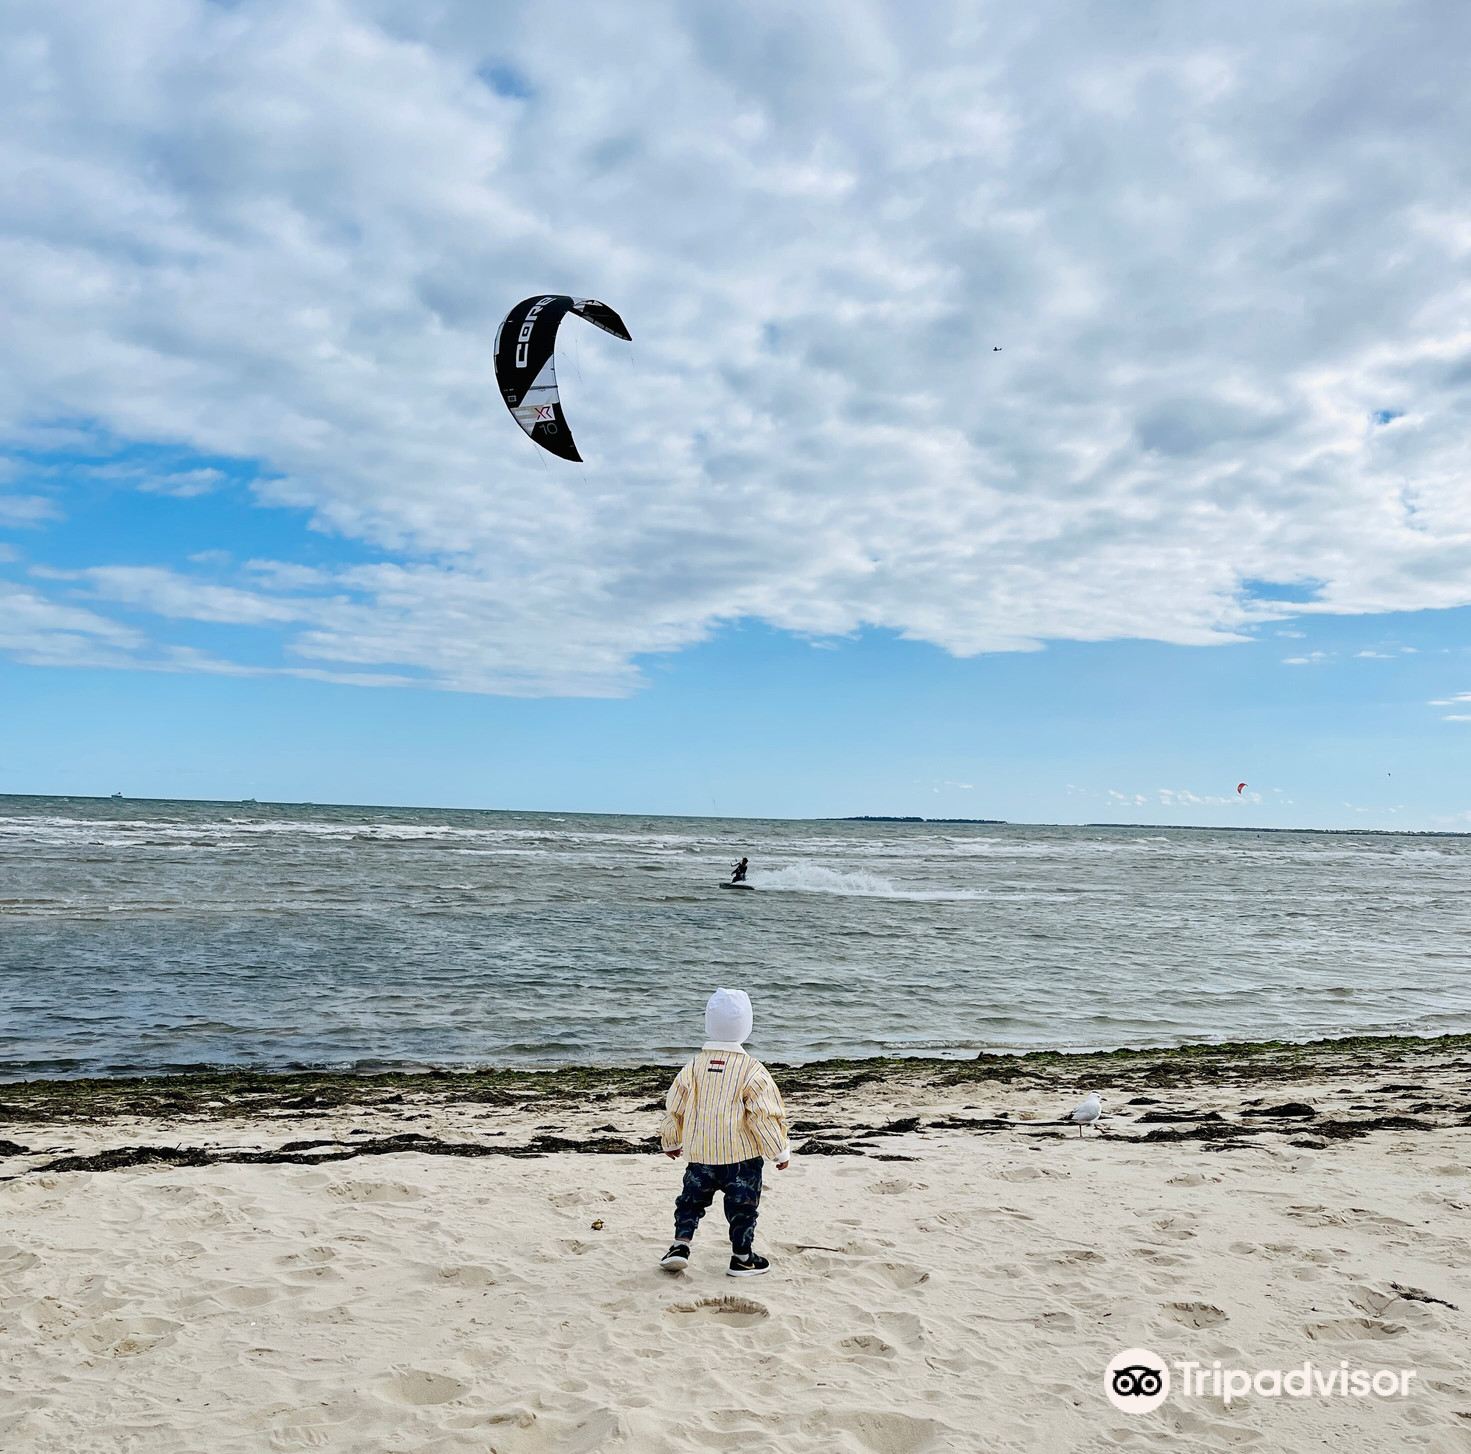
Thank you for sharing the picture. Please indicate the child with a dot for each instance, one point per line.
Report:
(725, 1113)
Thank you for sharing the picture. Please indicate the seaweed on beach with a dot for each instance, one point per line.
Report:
(1417, 1295)
(1213, 1131)
(211, 1095)
(320, 1152)
(1327, 1130)
(601, 1146)
(971, 1123)
(119, 1158)
(1174, 1117)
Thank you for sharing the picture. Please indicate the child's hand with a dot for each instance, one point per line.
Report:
(782, 1165)
(674, 1155)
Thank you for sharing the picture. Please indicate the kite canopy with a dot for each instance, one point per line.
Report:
(1240, 788)
(526, 370)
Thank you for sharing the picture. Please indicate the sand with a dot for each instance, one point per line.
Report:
(968, 1298)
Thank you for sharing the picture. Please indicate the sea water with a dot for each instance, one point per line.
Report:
(148, 935)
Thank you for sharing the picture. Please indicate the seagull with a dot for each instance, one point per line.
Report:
(1088, 1112)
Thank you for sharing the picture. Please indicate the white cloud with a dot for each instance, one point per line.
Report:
(17, 510)
(1185, 798)
(166, 593)
(41, 632)
(1133, 800)
(183, 484)
(285, 233)
(1375, 654)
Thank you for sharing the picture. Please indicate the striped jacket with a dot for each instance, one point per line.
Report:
(724, 1107)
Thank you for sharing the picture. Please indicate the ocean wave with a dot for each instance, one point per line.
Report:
(814, 878)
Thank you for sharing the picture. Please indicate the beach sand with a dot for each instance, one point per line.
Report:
(956, 1284)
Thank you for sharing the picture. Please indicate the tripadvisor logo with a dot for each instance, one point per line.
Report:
(1137, 1381)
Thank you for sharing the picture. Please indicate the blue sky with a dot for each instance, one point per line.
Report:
(265, 530)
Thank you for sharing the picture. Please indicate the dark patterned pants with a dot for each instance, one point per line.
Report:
(741, 1183)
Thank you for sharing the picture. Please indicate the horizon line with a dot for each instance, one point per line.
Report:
(741, 818)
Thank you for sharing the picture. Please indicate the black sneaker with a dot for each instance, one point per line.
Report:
(753, 1264)
(677, 1258)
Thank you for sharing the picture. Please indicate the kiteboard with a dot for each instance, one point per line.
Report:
(727, 885)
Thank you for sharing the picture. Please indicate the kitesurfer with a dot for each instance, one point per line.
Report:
(738, 873)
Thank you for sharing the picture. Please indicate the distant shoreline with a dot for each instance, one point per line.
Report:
(253, 803)
(884, 818)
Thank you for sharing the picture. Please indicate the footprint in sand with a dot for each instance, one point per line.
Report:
(901, 1274)
(865, 1345)
(316, 1429)
(373, 1191)
(242, 1298)
(517, 1418)
(1067, 1257)
(1155, 1258)
(733, 1312)
(1378, 1302)
(128, 1337)
(1024, 1173)
(1057, 1320)
(1194, 1315)
(485, 1355)
(579, 1198)
(894, 1186)
(880, 1431)
(467, 1275)
(907, 1329)
(1269, 1249)
(311, 1257)
(304, 1180)
(417, 1386)
(569, 1245)
(1312, 1216)
(1353, 1330)
(299, 1436)
(1176, 1229)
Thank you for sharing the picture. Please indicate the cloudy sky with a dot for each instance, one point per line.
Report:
(1204, 516)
